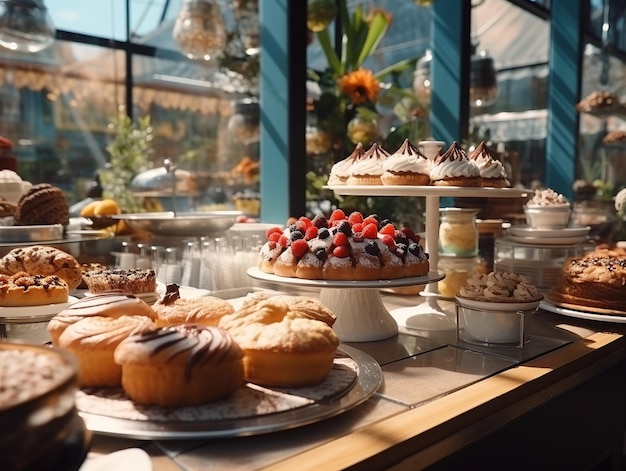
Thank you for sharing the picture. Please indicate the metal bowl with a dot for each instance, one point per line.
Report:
(168, 223)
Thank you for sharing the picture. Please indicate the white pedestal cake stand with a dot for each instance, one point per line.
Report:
(361, 315)
(428, 315)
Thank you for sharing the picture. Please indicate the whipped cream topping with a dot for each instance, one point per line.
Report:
(371, 163)
(340, 171)
(453, 163)
(488, 164)
(407, 159)
(9, 176)
(620, 201)
(499, 287)
(547, 197)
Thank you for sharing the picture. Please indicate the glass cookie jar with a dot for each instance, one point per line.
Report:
(458, 234)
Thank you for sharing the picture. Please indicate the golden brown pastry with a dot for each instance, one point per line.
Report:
(22, 289)
(112, 304)
(283, 346)
(203, 310)
(185, 364)
(42, 260)
(93, 341)
(42, 204)
(596, 279)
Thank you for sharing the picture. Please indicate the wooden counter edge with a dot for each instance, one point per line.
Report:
(434, 430)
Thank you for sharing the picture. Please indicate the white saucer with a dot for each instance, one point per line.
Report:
(543, 240)
(527, 231)
(43, 312)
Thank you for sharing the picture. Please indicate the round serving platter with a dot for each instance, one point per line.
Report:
(527, 231)
(431, 277)
(583, 312)
(364, 383)
(28, 314)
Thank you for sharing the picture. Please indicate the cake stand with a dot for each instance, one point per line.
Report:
(429, 315)
(358, 306)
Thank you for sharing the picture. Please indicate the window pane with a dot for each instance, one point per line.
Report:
(107, 18)
(55, 109)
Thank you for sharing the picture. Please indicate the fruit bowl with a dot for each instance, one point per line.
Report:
(190, 224)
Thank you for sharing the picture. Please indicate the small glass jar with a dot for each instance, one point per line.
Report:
(458, 234)
(457, 271)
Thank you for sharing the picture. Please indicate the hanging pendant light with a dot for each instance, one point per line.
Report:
(25, 25)
(483, 89)
(200, 30)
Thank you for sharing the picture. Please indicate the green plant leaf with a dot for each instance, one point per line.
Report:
(377, 28)
(331, 57)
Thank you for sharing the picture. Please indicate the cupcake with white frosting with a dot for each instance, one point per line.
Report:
(369, 169)
(340, 171)
(406, 166)
(454, 168)
(492, 172)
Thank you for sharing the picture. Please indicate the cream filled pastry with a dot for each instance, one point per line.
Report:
(453, 168)
(93, 340)
(111, 304)
(340, 171)
(185, 364)
(369, 169)
(287, 341)
(492, 172)
(406, 166)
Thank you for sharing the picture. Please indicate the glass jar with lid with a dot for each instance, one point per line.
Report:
(458, 234)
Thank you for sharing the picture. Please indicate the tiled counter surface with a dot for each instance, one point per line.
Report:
(436, 398)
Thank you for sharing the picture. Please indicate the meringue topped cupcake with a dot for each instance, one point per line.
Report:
(369, 169)
(340, 171)
(406, 166)
(454, 168)
(492, 173)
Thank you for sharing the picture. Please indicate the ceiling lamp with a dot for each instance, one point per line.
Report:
(25, 25)
(483, 89)
(200, 30)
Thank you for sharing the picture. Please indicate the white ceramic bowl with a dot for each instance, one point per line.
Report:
(548, 217)
(495, 323)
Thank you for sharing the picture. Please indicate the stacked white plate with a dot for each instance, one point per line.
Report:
(571, 235)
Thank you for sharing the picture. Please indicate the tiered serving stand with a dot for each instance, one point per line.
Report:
(429, 315)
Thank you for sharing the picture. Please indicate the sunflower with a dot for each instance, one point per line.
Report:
(360, 86)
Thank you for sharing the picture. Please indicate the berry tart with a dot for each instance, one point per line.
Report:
(343, 248)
